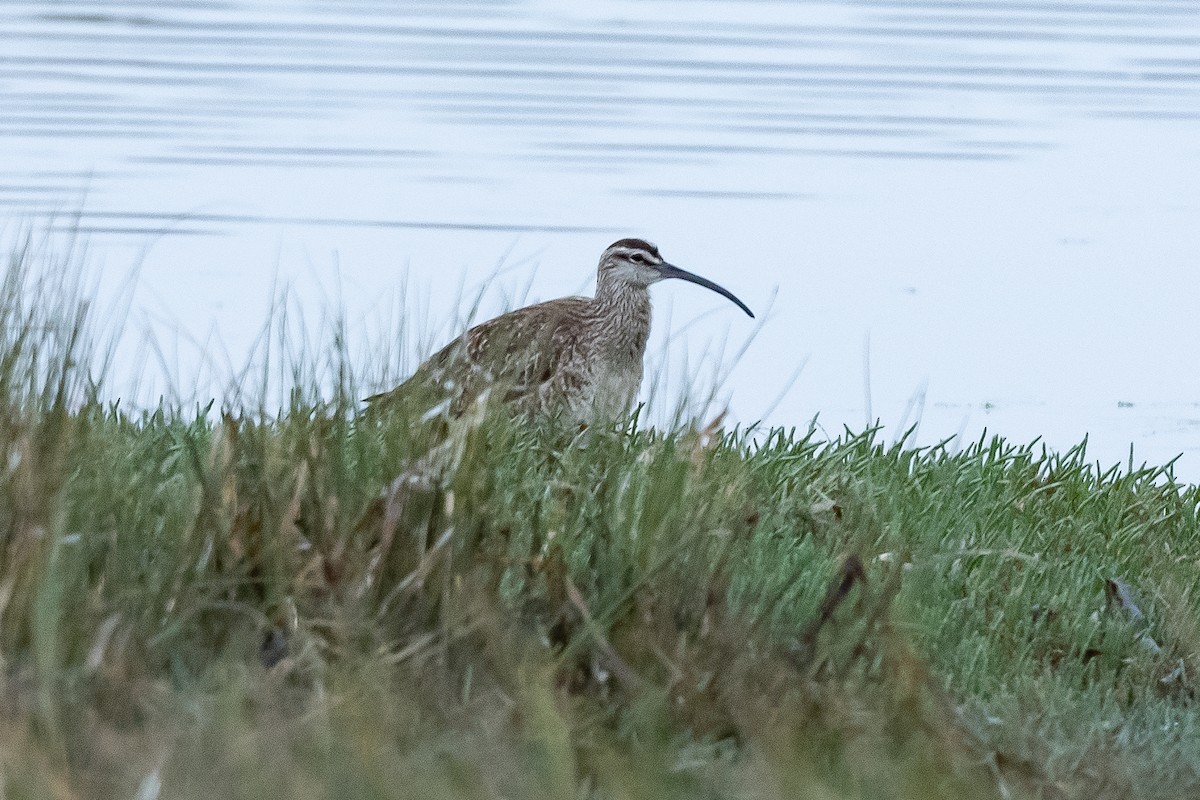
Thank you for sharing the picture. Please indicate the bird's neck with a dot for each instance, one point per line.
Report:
(623, 316)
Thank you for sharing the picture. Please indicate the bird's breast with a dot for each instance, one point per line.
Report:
(611, 387)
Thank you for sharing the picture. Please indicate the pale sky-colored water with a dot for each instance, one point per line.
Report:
(1003, 197)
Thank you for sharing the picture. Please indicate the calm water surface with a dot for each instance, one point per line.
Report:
(989, 209)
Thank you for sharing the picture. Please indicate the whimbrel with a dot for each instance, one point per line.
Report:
(575, 356)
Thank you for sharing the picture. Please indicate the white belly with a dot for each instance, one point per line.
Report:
(608, 393)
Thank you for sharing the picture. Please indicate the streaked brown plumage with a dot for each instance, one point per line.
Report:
(576, 356)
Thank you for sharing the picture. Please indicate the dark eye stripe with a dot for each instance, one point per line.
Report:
(636, 256)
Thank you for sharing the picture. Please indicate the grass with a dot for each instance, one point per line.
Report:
(196, 603)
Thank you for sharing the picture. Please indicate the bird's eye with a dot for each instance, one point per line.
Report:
(638, 258)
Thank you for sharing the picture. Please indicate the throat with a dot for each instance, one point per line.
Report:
(623, 317)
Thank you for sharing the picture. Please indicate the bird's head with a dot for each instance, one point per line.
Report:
(636, 262)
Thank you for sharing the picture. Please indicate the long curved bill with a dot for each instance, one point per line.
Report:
(672, 271)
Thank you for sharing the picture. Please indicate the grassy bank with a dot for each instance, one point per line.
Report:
(294, 604)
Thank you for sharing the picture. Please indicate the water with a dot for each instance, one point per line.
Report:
(987, 211)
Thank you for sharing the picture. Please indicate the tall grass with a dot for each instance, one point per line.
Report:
(240, 601)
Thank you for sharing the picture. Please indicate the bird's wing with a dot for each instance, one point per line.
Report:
(517, 352)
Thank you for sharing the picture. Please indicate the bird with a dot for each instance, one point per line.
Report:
(576, 358)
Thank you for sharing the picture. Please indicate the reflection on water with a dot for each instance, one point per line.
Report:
(154, 91)
(882, 163)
